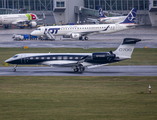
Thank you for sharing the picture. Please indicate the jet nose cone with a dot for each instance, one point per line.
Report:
(7, 61)
(33, 33)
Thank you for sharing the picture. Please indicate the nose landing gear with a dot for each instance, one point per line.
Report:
(14, 69)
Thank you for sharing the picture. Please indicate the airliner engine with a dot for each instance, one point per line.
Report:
(33, 24)
(75, 35)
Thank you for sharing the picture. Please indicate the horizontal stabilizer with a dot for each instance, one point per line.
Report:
(130, 40)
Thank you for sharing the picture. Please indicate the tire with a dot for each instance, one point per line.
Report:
(85, 38)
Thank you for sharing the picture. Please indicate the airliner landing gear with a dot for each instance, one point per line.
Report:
(78, 68)
(6, 26)
(80, 38)
(14, 69)
(85, 38)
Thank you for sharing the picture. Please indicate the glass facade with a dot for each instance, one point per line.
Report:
(154, 3)
(30, 5)
(118, 4)
(60, 4)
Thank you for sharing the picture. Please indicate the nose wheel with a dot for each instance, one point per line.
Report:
(14, 69)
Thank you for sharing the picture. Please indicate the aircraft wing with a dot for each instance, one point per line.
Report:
(103, 19)
(94, 66)
(18, 21)
(93, 20)
(82, 33)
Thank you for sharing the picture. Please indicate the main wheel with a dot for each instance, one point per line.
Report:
(86, 38)
(14, 70)
(82, 69)
(76, 69)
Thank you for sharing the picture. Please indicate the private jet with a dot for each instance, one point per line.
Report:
(77, 61)
(80, 31)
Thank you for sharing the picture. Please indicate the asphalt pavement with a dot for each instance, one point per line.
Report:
(100, 71)
(148, 35)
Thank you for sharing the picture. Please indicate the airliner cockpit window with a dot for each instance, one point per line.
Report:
(15, 56)
(38, 29)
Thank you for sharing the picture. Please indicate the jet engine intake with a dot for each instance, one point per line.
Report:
(75, 35)
(101, 56)
(33, 24)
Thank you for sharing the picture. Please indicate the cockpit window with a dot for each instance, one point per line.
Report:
(15, 56)
(38, 29)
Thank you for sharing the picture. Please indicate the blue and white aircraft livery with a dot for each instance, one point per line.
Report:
(106, 20)
(80, 31)
(77, 61)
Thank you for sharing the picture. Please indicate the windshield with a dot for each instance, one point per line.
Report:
(15, 56)
(38, 29)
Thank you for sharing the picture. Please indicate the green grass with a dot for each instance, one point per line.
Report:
(140, 56)
(78, 98)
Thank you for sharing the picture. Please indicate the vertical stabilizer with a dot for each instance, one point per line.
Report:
(101, 13)
(126, 48)
(130, 19)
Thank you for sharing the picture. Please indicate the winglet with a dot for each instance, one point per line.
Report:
(130, 19)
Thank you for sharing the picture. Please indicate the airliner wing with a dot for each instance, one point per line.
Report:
(82, 33)
(18, 21)
(93, 20)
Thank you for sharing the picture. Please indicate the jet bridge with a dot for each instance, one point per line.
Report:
(153, 12)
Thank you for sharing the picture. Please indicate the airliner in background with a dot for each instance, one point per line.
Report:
(77, 61)
(106, 20)
(21, 19)
(80, 31)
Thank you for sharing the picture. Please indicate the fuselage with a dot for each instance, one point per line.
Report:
(15, 18)
(80, 29)
(111, 20)
(60, 59)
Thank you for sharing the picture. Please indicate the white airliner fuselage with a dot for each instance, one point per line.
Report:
(76, 31)
(14, 19)
(111, 20)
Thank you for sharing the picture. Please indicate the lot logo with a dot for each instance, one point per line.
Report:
(51, 30)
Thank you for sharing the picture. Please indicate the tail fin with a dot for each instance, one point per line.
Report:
(130, 19)
(125, 50)
(101, 13)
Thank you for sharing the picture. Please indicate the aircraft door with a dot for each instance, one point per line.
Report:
(0, 20)
(23, 59)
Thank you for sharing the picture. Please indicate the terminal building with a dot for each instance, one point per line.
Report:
(77, 11)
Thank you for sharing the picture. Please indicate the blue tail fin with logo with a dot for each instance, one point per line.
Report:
(130, 19)
(101, 13)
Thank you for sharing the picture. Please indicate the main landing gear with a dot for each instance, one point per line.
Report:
(85, 38)
(14, 69)
(79, 68)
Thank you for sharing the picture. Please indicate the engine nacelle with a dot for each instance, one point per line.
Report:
(105, 57)
(33, 24)
(75, 35)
